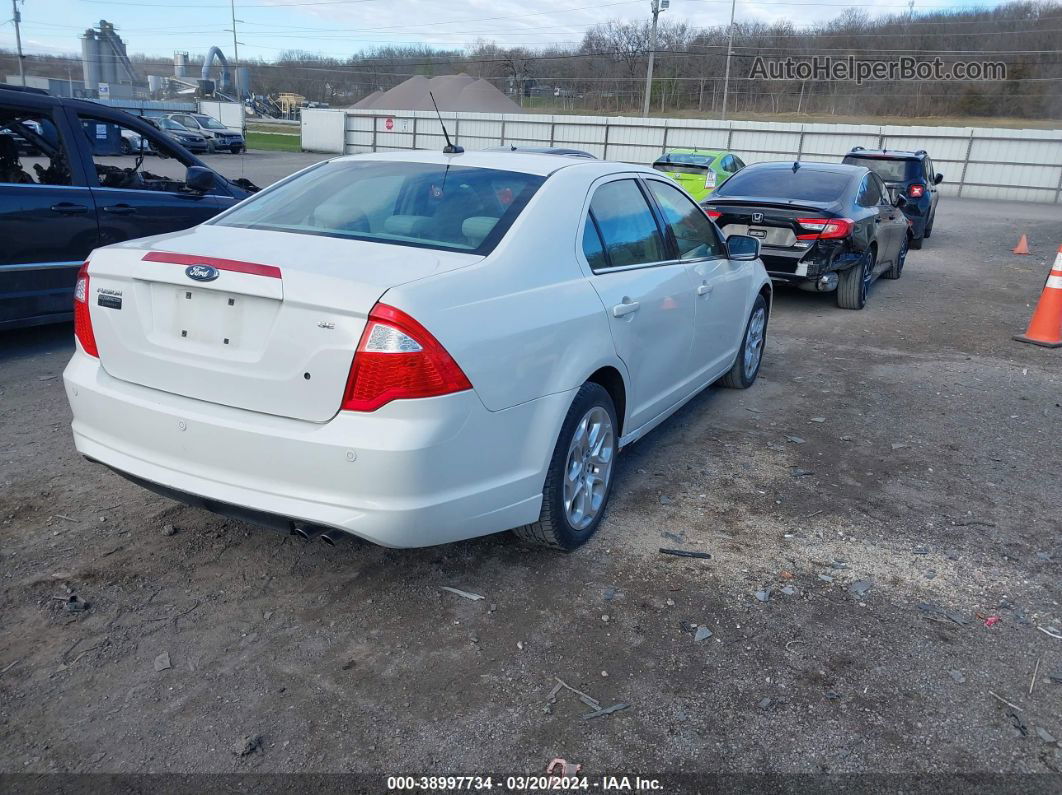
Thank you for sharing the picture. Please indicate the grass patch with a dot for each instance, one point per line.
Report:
(274, 142)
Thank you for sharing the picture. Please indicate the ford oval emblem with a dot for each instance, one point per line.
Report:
(202, 273)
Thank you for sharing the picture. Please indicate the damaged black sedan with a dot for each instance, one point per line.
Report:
(822, 226)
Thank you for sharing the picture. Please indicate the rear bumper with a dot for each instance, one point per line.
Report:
(807, 266)
(917, 211)
(414, 473)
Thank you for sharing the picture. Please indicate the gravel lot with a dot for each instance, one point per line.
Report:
(889, 487)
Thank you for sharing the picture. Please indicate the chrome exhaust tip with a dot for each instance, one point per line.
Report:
(306, 531)
(332, 537)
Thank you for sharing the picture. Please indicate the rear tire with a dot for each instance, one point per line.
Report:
(855, 282)
(895, 271)
(747, 365)
(572, 509)
(916, 242)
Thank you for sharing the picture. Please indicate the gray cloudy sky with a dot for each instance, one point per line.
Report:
(338, 27)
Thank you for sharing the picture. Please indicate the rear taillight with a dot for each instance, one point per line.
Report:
(713, 214)
(825, 228)
(82, 320)
(916, 191)
(397, 359)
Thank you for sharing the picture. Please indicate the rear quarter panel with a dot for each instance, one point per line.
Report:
(524, 322)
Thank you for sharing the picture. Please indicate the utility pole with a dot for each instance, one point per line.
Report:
(18, 41)
(235, 53)
(658, 6)
(729, 54)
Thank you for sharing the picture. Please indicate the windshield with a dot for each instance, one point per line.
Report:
(427, 205)
(890, 170)
(804, 184)
(211, 123)
(170, 124)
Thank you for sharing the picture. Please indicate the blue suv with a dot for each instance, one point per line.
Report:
(911, 175)
(76, 175)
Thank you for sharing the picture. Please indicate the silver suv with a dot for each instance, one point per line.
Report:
(219, 137)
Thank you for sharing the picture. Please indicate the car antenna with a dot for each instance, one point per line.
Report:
(449, 149)
(796, 165)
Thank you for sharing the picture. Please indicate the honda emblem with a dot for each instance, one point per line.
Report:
(757, 218)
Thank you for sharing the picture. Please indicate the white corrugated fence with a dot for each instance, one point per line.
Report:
(977, 162)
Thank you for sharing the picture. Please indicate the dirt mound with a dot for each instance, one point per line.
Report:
(459, 92)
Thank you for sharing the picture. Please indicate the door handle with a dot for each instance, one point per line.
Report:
(68, 208)
(626, 308)
(119, 209)
(704, 289)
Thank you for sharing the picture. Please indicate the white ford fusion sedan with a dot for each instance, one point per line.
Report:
(415, 347)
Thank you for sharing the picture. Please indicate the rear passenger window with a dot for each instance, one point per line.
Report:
(592, 248)
(628, 228)
(869, 193)
(694, 234)
(120, 155)
(31, 152)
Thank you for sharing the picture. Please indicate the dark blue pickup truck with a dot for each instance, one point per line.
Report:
(76, 175)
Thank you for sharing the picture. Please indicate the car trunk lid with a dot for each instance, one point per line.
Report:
(773, 223)
(260, 320)
(695, 179)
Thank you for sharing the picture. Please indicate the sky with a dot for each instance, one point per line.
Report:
(339, 27)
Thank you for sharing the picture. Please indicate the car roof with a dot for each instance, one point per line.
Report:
(542, 150)
(23, 89)
(809, 165)
(705, 152)
(540, 164)
(892, 154)
(41, 99)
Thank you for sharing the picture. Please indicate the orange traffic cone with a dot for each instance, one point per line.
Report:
(1045, 328)
(1022, 247)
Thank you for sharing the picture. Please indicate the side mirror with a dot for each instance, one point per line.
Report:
(938, 179)
(199, 179)
(742, 247)
(899, 201)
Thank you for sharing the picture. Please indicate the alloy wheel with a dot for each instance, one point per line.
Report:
(588, 467)
(868, 271)
(754, 342)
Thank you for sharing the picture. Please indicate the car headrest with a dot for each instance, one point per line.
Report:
(407, 225)
(8, 148)
(338, 216)
(476, 228)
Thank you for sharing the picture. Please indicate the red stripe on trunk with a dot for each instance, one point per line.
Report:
(235, 265)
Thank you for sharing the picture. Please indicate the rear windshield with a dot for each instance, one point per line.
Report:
(804, 184)
(889, 169)
(689, 158)
(673, 168)
(426, 205)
